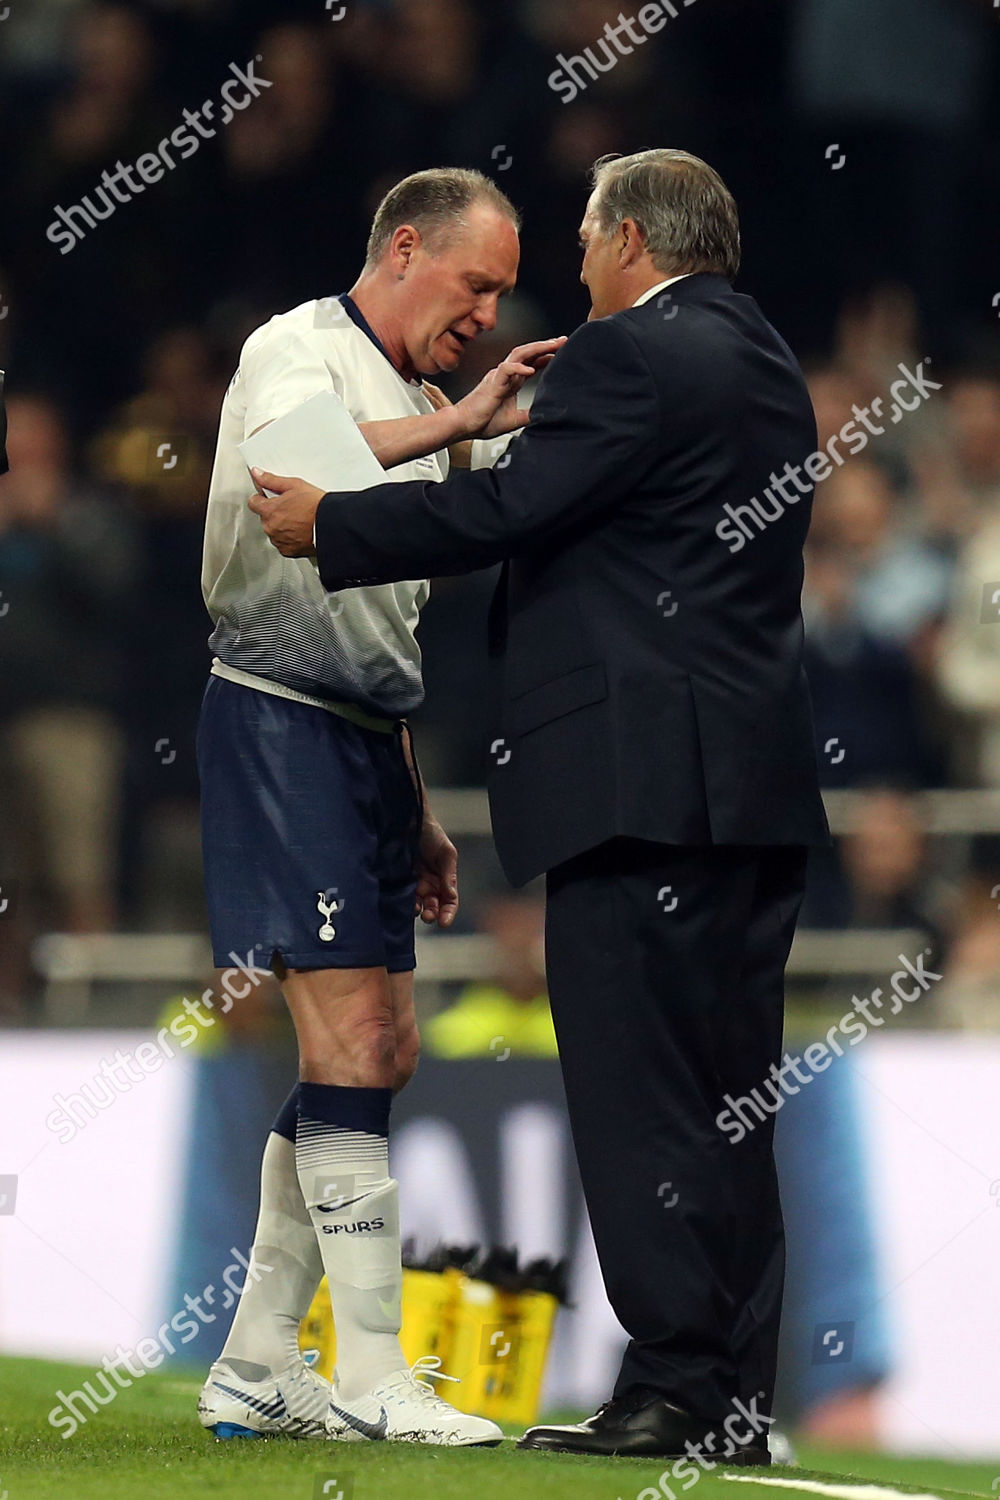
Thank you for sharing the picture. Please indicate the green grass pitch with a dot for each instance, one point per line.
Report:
(148, 1445)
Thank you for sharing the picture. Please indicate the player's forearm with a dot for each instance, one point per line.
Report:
(405, 438)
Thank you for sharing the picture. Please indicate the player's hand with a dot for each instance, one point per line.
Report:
(290, 517)
(437, 875)
(435, 395)
(491, 409)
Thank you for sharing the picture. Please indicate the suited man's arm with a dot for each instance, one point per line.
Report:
(595, 426)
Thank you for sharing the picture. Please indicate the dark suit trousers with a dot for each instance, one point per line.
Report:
(666, 968)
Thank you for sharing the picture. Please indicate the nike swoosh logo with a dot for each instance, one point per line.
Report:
(335, 1208)
(375, 1431)
(276, 1408)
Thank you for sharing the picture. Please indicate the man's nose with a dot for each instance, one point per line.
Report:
(486, 314)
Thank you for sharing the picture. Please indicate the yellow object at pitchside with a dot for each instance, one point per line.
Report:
(495, 1342)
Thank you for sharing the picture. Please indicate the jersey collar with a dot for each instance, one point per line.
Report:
(355, 314)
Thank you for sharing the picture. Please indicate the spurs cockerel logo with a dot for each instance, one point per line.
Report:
(326, 905)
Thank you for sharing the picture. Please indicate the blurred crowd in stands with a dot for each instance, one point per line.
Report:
(856, 135)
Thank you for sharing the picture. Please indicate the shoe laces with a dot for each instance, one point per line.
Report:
(303, 1375)
(625, 1404)
(423, 1371)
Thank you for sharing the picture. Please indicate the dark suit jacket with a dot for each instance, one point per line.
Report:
(650, 650)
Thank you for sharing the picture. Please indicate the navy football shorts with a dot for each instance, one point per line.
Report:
(310, 828)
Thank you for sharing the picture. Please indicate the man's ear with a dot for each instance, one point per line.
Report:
(633, 246)
(402, 246)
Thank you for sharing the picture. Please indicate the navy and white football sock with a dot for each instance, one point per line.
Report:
(264, 1337)
(342, 1155)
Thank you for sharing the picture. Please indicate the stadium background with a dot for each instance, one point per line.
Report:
(859, 137)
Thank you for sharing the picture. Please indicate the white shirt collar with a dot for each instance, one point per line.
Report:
(646, 296)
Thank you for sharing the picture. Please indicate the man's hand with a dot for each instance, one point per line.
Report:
(491, 409)
(435, 395)
(437, 875)
(290, 518)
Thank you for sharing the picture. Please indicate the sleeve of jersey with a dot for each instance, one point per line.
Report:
(280, 373)
(489, 451)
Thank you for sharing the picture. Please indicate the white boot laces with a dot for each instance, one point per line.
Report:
(426, 1369)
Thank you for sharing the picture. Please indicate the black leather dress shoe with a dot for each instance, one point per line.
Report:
(642, 1424)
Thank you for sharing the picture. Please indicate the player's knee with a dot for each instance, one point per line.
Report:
(371, 1044)
(360, 1053)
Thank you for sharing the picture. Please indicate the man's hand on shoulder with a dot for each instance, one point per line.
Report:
(290, 518)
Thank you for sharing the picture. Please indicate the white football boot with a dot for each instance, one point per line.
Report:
(405, 1408)
(293, 1403)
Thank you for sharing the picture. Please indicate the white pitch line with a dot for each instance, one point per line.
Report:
(834, 1491)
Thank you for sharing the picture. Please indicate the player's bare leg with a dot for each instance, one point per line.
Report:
(347, 1073)
(404, 1017)
(358, 1044)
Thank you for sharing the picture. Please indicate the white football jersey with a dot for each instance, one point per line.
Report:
(273, 618)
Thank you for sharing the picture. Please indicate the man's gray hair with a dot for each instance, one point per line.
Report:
(432, 201)
(684, 209)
